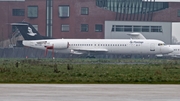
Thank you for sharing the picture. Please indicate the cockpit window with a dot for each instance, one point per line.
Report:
(161, 44)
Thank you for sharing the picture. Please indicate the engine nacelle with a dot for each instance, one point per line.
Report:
(61, 45)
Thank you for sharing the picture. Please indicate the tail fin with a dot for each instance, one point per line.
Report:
(28, 31)
(136, 36)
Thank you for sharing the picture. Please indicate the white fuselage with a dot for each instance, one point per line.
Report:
(111, 46)
(176, 51)
(176, 48)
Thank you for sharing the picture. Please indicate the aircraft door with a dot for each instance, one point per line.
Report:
(152, 47)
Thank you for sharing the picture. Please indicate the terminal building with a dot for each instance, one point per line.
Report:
(94, 19)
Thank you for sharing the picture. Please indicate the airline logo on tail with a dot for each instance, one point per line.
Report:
(31, 33)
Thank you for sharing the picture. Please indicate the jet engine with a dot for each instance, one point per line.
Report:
(56, 45)
(61, 45)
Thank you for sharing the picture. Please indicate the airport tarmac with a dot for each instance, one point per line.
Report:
(89, 92)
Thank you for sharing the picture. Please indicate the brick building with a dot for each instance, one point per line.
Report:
(82, 18)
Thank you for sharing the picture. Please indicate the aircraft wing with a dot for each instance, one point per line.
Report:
(82, 51)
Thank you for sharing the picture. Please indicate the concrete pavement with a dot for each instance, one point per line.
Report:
(89, 92)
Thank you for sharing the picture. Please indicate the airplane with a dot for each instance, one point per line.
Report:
(33, 39)
(174, 54)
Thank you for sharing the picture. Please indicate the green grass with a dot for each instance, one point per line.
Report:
(90, 71)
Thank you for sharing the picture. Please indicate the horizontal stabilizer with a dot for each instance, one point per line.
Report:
(21, 24)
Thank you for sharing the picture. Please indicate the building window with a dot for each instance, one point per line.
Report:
(113, 28)
(84, 10)
(18, 12)
(127, 28)
(98, 28)
(132, 6)
(119, 28)
(63, 11)
(32, 11)
(178, 13)
(65, 28)
(156, 29)
(84, 27)
(137, 28)
(145, 28)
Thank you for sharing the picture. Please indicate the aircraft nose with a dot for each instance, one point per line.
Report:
(166, 49)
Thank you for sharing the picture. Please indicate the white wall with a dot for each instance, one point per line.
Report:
(165, 36)
(176, 30)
